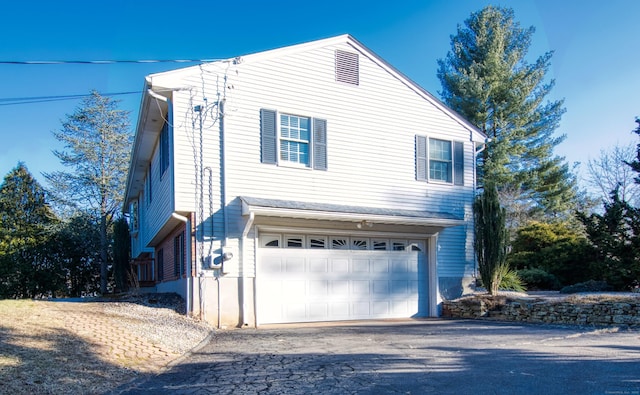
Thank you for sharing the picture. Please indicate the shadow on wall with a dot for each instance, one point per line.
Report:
(454, 287)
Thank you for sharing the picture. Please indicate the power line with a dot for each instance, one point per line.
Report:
(50, 62)
(43, 99)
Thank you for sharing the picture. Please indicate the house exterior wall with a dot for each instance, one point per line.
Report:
(371, 131)
(371, 146)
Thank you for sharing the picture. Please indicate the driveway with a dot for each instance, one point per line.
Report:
(407, 357)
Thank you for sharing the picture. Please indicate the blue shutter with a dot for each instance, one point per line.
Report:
(421, 158)
(268, 137)
(458, 163)
(319, 144)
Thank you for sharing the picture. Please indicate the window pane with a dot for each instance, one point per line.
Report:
(317, 242)
(294, 152)
(439, 149)
(294, 242)
(440, 170)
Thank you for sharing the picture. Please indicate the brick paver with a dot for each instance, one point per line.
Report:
(113, 340)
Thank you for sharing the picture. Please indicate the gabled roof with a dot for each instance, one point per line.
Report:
(160, 80)
(158, 86)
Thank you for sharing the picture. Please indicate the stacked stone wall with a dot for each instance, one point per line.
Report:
(599, 313)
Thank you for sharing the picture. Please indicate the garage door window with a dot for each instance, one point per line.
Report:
(339, 243)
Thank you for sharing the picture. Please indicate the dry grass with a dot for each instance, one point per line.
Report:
(56, 348)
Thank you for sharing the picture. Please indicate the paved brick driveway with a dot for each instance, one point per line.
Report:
(408, 357)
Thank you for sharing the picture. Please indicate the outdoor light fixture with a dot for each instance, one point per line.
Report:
(364, 223)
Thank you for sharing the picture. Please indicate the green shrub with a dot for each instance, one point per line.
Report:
(510, 281)
(539, 279)
(557, 248)
(587, 286)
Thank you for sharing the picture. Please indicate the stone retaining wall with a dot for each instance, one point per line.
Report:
(563, 312)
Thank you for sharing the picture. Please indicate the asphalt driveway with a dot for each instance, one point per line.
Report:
(408, 357)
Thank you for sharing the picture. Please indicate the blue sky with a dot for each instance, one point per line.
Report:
(595, 64)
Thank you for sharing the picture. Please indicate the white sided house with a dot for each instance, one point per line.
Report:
(308, 183)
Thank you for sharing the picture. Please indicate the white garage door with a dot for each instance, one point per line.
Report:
(309, 278)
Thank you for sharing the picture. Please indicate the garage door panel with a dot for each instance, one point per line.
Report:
(360, 288)
(340, 265)
(318, 311)
(295, 312)
(301, 285)
(380, 266)
(339, 287)
(361, 309)
(295, 265)
(360, 265)
(381, 287)
(318, 288)
(381, 308)
(339, 310)
(318, 265)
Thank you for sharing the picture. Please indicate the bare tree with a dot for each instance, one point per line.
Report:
(610, 171)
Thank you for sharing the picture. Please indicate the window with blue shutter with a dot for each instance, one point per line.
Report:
(421, 158)
(458, 163)
(293, 140)
(439, 160)
(319, 144)
(268, 136)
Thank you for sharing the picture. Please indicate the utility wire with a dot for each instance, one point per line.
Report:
(47, 62)
(42, 99)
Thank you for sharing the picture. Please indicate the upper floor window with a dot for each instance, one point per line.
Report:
(164, 148)
(149, 185)
(293, 139)
(133, 216)
(439, 160)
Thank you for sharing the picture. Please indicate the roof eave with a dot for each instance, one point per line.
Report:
(263, 211)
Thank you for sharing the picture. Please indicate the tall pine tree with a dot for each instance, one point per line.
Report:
(486, 78)
(97, 143)
(27, 225)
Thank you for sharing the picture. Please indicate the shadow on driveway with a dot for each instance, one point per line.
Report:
(413, 357)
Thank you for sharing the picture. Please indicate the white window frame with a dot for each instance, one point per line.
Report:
(281, 139)
(431, 160)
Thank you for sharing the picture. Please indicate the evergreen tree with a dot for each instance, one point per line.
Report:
(486, 78)
(77, 248)
(635, 165)
(26, 228)
(121, 254)
(491, 238)
(615, 236)
(97, 143)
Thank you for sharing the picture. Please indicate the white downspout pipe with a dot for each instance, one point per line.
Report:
(475, 191)
(188, 262)
(243, 256)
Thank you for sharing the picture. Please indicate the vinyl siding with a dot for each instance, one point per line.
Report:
(155, 214)
(371, 131)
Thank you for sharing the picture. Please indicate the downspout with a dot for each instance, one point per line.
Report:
(223, 171)
(188, 262)
(245, 232)
(475, 192)
(223, 200)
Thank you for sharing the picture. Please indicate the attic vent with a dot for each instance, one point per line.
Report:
(347, 67)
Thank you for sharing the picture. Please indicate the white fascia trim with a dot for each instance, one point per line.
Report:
(348, 217)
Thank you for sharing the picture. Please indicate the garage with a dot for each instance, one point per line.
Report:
(307, 278)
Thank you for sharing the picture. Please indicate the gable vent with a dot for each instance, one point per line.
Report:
(347, 67)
